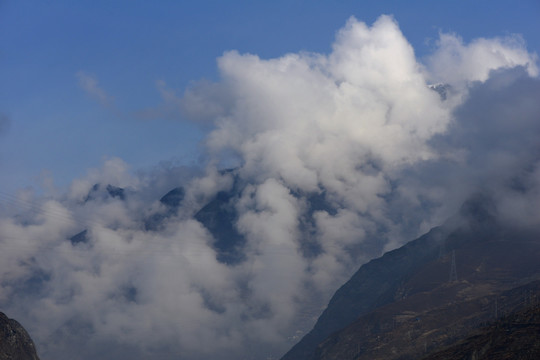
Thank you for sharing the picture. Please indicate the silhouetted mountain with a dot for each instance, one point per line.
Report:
(172, 201)
(78, 238)
(314, 202)
(219, 216)
(115, 191)
(97, 192)
(173, 198)
(15, 343)
(403, 304)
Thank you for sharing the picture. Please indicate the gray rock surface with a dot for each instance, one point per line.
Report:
(15, 343)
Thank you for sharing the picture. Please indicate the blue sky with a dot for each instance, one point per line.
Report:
(51, 125)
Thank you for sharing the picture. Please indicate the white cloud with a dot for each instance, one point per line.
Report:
(346, 154)
(455, 62)
(312, 119)
(90, 85)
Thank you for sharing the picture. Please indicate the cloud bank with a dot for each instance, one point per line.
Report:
(336, 158)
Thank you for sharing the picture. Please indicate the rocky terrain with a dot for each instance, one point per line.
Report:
(15, 343)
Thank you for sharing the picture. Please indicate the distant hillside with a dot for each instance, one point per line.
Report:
(405, 330)
(15, 343)
(429, 293)
(515, 336)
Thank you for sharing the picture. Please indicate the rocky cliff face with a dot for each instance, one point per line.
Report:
(15, 343)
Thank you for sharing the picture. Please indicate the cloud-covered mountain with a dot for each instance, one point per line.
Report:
(335, 159)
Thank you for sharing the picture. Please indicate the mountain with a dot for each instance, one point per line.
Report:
(97, 191)
(15, 343)
(171, 202)
(420, 326)
(515, 336)
(219, 216)
(429, 293)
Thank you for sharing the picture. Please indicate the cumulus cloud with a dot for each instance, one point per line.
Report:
(339, 157)
(455, 62)
(497, 138)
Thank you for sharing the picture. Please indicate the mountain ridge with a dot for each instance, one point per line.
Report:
(488, 254)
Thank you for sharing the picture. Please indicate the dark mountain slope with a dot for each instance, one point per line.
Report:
(219, 216)
(414, 327)
(171, 202)
(110, 191)
(374, 285)
(515, 336)
(15, 343)
(489, 256)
